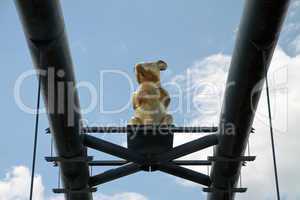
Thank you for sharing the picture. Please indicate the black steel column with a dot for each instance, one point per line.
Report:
(45, 33)
(256, 40)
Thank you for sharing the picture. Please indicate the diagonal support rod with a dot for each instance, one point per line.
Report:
(114, 174)
(185, 173)
(164, 163)
(111, 148)
(190, 147)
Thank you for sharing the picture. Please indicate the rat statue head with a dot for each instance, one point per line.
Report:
(149, 71)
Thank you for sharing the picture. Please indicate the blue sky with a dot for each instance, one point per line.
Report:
(110, 35)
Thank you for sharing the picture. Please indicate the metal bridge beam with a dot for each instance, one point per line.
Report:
(184, 173)
(45, 33)
(256, 40)
(175, 162)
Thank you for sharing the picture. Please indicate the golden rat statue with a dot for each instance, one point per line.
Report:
(150, 101)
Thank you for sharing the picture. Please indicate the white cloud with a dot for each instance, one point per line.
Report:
(295, 45)
(205, 81)
(16, 185)
(284, 76)
(295, 4)
(259, 175)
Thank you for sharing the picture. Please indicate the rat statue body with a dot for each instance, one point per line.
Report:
(150, 101)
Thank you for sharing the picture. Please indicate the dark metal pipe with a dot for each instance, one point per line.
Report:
(123, 162)
(190, 147)
(256, 40)
(112, 149)
(45, 33)
(114, 174)
(163, 129)
(184, 173)
(191, 162)
(108, 162)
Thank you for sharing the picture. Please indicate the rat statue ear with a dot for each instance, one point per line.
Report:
(162, 65)
(140, 73)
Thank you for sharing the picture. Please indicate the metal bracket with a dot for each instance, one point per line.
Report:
(138, 128)
(75, 159)
(233, 190)
(225, 159)
(66, 191)
(47, 131)
(163, 129)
